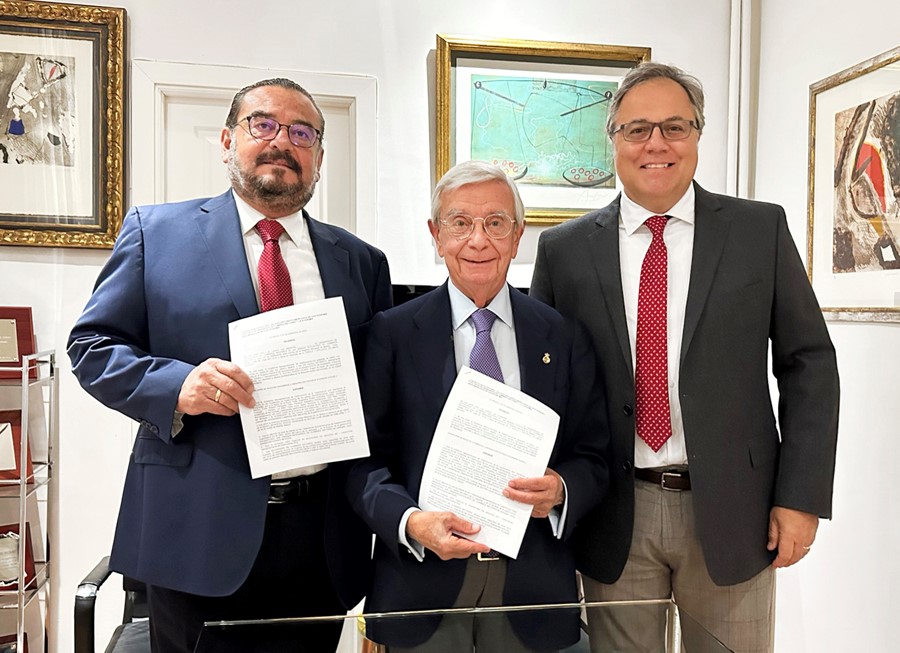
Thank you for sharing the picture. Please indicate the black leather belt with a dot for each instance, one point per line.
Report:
(676, 479)
(299, 488)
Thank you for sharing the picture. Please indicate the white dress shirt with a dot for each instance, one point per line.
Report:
(503, 336)
(306, 282)
(634, 241)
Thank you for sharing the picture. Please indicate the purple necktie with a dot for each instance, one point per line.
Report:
(484, 357)
(274, 279)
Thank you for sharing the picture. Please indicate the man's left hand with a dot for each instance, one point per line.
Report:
(543, 493)
(792, 532)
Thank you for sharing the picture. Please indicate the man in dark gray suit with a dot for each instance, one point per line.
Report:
(683, 292)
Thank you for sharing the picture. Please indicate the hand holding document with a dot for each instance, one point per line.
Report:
(488, 434)
(308, 409)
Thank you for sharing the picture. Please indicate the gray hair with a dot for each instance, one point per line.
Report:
(282, 82)
(473, 172)
(650, 70)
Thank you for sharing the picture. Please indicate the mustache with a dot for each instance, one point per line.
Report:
(279, 155)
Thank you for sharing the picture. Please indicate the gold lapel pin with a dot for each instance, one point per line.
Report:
(546, 358)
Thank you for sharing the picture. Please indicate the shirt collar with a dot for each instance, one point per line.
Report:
(293, 224)
(634, 215)
(461, 307)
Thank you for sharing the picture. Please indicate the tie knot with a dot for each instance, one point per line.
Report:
(269, 229)
(656, 224)
(483, 319)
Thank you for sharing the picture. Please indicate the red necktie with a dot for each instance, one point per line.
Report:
(651, 378)
(274, 279)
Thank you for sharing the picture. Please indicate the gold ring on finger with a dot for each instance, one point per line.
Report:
(218, 394)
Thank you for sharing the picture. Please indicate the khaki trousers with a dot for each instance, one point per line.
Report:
(666, 561)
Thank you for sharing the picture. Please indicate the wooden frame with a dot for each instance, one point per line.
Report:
(11, 445)
(853, 229)
(537, 109)
(61, 124)
(8, 534)
(16, 341)
(10, 644)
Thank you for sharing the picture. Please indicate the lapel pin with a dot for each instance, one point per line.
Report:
(546, 358)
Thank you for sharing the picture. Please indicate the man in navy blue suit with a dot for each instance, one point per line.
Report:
(211, 542)
(422, 558)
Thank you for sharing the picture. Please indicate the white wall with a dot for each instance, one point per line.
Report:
(392, 40)
(839, 599)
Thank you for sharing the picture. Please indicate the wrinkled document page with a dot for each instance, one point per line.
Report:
(487, 435)
(308, 409)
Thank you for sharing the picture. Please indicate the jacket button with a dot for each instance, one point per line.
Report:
(626, 466)
(628, 410)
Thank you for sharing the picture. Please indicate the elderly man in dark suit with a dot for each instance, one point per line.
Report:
(422, 558)
(212, 542)
(684, 291)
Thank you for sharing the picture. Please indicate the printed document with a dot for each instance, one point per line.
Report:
(487, 435)
(308, 409)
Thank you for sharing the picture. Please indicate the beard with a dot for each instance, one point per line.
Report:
(270, 192)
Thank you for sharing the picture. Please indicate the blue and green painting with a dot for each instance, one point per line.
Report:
(546, 132)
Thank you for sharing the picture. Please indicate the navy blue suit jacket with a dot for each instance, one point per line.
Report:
(191, 517)
(409, 370)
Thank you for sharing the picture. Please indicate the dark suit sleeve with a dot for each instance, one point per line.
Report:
(585, 434)
(803, 362)
(541, 286)
(109, 344)
(374, 490)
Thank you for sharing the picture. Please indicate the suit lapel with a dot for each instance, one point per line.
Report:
(332, 259)
(220, 231)
(604, 246)
(710, 233)
(431, 347)
(532, 345)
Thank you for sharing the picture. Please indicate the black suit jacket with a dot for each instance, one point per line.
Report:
(409, 370)
(191, 517)
(748, 290)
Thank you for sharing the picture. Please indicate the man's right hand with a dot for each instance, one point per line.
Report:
(436, 531)
(215, 386)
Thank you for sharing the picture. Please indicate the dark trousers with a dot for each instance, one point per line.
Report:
(289, 579)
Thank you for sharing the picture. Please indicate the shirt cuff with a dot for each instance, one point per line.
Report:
(411, 545)
(177, 423)
(557, 515)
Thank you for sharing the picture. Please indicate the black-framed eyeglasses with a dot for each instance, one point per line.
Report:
(462, 225)
(266, 129)
(641, 130)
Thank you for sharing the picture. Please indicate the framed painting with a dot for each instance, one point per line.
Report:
(61, 124)
(853, 231)
(538, 110)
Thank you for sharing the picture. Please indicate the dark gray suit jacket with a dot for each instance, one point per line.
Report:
(748, 289)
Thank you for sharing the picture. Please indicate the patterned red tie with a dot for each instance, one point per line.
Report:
(274, 279)
(651, 378)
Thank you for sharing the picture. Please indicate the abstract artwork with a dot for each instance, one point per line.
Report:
(543, 131)
(37, 110)
(867, 186)
(538, 110)
(62, 119)
(853, 230)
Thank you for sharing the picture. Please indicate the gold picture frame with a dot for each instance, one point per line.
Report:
(62, 122)
(536, 108)
(853, 202)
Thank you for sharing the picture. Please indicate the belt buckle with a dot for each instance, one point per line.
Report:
(490, 556)
(662, 481)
